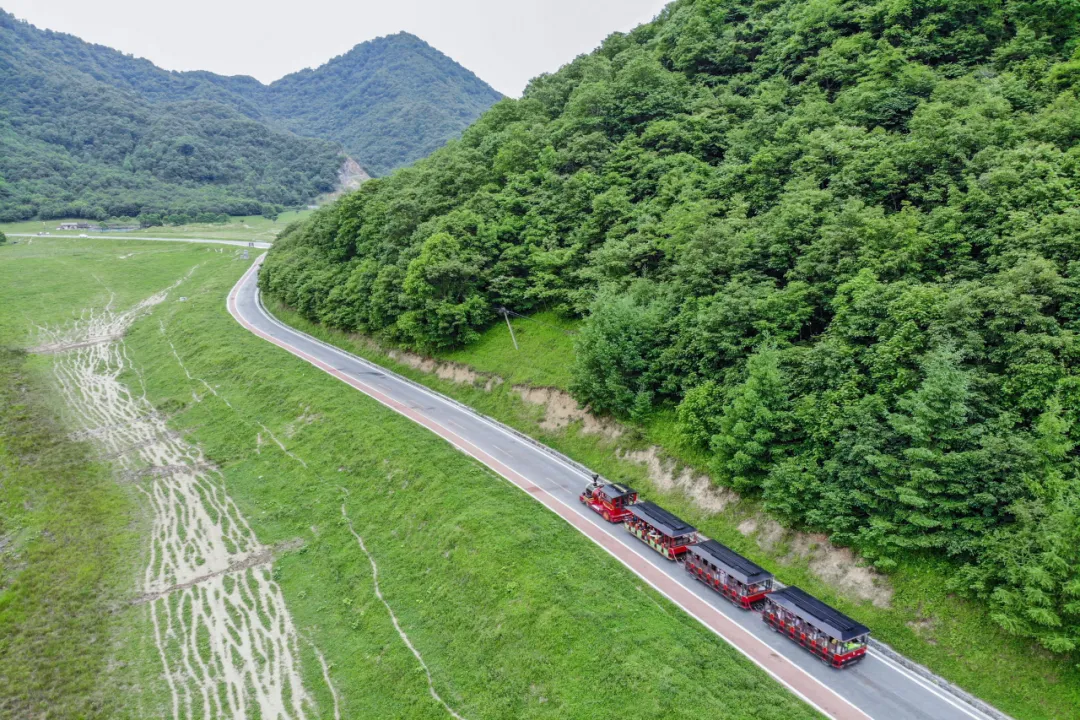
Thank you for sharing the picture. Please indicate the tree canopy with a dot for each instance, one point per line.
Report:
(842, 237)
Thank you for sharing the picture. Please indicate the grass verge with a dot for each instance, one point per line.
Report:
(246, 228)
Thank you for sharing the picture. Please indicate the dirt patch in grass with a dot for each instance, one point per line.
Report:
(666, 474)
(451, 372)
(306, 418)
(924, 628)
(561, 411)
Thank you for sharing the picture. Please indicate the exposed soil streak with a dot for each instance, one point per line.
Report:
(191, 377)
(263, 557)
(393, 617)
(224, 636)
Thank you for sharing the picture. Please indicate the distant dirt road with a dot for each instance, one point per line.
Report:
(237, 243)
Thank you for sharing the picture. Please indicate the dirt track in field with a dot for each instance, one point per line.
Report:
(227, 643)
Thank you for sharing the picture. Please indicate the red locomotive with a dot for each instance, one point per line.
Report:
(729, 573)
(826, 632)
(611, 501)
(663, 532)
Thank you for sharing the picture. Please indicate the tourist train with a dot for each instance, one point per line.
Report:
(824, 631)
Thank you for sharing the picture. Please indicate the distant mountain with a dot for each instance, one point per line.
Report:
(86, 131)
(389, 102)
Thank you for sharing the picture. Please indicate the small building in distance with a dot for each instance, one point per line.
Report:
(74, 226)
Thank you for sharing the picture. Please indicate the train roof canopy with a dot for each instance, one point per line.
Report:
(614, 491)
(735, 564)
(661, 519)
(817, 613)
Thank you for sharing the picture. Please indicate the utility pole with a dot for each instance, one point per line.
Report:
(506, 314)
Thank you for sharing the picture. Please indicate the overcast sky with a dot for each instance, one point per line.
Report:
(505, 42)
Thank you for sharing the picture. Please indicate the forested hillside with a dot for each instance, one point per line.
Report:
(86, 131)
(389, 102)
(842, 237)
(79, 138)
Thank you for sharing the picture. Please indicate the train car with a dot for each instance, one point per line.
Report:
(826, 632)
(660, 530)
(728, 573)
(611, 501)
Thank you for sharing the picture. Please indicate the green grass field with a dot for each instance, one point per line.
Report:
(545, 346)
(250, 228)
(516, 614)
(924, 621)
(62, 582)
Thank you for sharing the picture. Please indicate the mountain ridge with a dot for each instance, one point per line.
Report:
(89, 131)
(289, 100)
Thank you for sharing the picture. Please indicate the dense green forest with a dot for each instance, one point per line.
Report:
(86, 131)
(841, 236)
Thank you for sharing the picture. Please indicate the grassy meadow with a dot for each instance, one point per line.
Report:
(69, 545)
(923, 619)
(516, 614)
(71, 536)
(543, 357)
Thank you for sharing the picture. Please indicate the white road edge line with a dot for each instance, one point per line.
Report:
(956, 703)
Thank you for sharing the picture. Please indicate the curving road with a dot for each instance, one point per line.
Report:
(877, 688)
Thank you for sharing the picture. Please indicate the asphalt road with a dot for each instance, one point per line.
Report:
(877, 688)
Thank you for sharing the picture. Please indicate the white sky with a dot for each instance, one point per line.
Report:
(505, 42)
